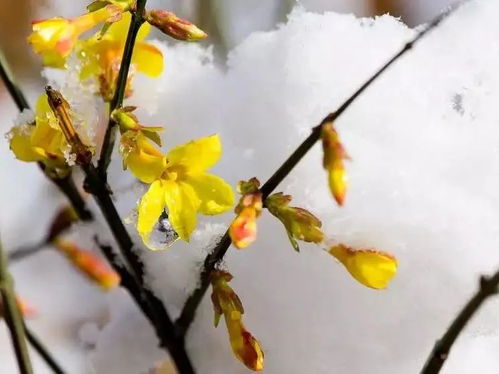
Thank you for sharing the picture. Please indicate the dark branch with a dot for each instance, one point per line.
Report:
(43, 352)
(193, 301)
(11, 85)
(441, 350)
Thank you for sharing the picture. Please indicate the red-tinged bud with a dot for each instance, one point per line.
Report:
(243, 230)
(174, 26)
(89, 264)
(334, 155)
(225, 301)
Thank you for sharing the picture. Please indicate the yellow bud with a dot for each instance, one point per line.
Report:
(372, 268)
(334, 155)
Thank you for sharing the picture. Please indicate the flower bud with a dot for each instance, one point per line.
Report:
(334, 154)
(89, 264)
(175, 27)
(128, 121)
(372, 268)
(243, 229)
(300, 224)
(225, 301)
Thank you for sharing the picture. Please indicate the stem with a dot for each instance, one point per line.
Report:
(119, 94)
(11, 85)
(440, 352)
(24, 252)
(13, 317)
(43, 352)
(189, 310)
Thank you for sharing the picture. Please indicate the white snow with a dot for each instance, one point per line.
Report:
(424, 186)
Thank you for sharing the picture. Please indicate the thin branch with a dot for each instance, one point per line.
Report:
(119, 94)
(24, 252)
(13, 317)
(11, 85)
(189, 310)
(441, 350)
(43, 351)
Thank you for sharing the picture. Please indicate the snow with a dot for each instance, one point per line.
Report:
(423, 142)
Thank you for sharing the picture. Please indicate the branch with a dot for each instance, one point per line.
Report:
(42, 351)
(119, 93)
(96, 186)
(189, 310)
(440, 352)
(11, 85)
(13, 317)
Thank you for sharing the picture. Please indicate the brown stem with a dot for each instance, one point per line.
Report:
(441, 350)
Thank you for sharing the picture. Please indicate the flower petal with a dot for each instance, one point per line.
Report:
(183, 204)
(20, 144)
(148, 59)
(215, 194)
(150, 208)
(141, 157)
(197, 155)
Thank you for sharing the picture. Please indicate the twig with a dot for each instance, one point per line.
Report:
(11, 86)
(13, 317)
(440, 352)
(189, 310)
(23, 252)
(119, 94)
(42, 351)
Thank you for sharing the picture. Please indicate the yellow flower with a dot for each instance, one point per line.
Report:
(89, 264)
(42, 142)
(243, 229)
(372, 268)
(225, 301)
(55, 38)
(179, 182)
(334, 154)
(101, 56)
(299, 223)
